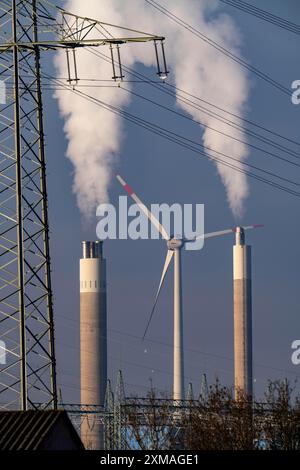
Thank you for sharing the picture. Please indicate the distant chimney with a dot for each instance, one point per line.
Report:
(243, 382)
(93, 338)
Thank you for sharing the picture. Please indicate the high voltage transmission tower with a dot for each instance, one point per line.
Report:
(27, 29)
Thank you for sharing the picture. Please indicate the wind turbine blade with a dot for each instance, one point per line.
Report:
(169, 257)
(247, 227)
(225, 232)
(144, 208)
(218, 234)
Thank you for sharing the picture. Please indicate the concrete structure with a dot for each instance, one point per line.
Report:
(174, 246)
(93, 338)
(242, 315)
(178, 365)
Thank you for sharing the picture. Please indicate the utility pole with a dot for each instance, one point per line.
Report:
(28, 30)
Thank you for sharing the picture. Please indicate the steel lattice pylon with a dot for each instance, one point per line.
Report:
(26, 312)
(27, 27)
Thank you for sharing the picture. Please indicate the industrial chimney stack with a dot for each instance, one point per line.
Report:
(93, 338)
(242, 316)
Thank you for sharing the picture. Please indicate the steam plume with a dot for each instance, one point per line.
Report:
(95, 135)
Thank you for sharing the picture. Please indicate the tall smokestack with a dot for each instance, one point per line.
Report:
(93, 338)
(242, 316)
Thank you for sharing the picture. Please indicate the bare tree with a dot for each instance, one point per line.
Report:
(281, 424)
(218, 422)
(150, 422)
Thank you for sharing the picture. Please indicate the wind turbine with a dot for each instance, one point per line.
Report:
(174, 246)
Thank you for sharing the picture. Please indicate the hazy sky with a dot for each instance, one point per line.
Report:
(162, 172)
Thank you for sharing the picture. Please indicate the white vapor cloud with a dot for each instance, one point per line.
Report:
(95, 135)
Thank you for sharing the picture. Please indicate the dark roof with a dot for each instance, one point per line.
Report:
(31, 430)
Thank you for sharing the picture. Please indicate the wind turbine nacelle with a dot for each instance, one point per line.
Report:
(175, 244)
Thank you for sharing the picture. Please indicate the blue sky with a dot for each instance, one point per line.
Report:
(161, 171)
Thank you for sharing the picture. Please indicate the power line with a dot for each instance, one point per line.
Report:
(252, 123)
(218, 47)
(175, 95)
(264, 15)
(187, 143)
(255, 147)
(157, 85)
(184, 116)
(187, 349)
(190, 145)
(167, 372)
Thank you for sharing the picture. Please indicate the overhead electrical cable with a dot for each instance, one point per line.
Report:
(248, 121)
(218, 47)
(264, 15)
(264, 151)
(211, 113)
(169, 345)
(192, 145)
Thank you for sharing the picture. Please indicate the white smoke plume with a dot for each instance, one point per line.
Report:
(95, 135)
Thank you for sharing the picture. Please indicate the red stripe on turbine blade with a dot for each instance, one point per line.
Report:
(128, 189)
